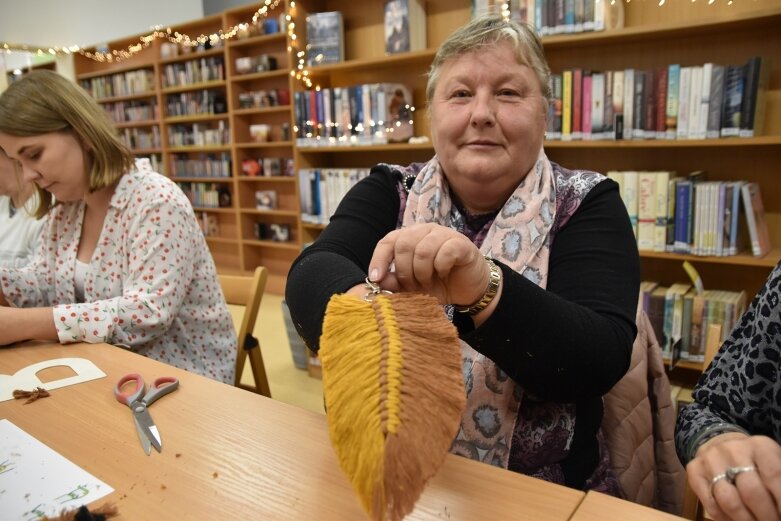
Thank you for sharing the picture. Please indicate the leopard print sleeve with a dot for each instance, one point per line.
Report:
(740, 390)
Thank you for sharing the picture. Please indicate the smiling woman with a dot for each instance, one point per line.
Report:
(536, 265)
(123, 258)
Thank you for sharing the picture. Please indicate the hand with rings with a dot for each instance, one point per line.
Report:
(731, 474)
(738, 477)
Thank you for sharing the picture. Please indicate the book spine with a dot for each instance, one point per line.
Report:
(566, 111)
(713, 128)
(753, 74)
(704, 110)
(588, 105)
(695, 96)
(629, 100)
(683, 198)
(733, 99)
(684, 92)
(577, 104)
(646, 210)
(671, 105)
(618, 105)
(662, 182)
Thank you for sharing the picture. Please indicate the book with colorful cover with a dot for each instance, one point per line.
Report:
(405, 26)
(325, 38)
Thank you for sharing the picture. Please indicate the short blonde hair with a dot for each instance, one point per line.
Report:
(44, 102)
(490, 30)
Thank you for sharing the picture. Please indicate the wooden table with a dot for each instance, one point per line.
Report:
(232, 454)
(601, 507)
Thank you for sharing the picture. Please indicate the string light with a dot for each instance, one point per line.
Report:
(145, 41)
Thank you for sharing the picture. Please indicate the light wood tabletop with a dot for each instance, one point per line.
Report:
(232, 454)
(601, 507)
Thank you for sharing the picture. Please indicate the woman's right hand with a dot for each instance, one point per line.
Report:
(432, 259)
(755, 494)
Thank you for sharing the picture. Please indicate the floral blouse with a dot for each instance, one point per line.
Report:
(151, 284)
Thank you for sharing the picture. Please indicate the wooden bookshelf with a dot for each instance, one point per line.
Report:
(653, 36)
(235, 249)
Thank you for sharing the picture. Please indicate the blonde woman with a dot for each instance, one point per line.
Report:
(536, 264)
(123, 258)
(19, 230)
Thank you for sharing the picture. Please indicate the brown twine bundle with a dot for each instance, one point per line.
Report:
(38, 392)
(394, 394)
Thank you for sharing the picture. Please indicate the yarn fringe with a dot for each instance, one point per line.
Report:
(394, 395)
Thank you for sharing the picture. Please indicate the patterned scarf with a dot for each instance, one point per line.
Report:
(519, 237)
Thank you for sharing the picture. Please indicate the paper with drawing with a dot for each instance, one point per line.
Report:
(36, 481)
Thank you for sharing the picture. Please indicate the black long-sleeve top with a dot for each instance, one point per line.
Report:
(575, 335)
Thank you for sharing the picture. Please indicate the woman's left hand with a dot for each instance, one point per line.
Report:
(751, 490)
(18, 324)
(432, 259)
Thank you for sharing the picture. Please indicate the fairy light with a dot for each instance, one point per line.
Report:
(117, 55)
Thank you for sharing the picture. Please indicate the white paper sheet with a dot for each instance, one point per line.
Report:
(27, 377)
(36, 481)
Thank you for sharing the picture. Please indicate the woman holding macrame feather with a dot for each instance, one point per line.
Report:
(536, 265)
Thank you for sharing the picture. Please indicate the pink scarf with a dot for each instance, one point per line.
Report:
(519, 237)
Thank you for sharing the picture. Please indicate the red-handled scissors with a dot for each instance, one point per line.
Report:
(138, 401)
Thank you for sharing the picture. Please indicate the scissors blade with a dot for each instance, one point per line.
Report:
(147, 426)
(142, 437)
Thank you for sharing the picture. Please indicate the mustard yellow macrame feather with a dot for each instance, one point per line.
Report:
(394, 395)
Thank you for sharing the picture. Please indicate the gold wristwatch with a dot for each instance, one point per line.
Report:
(494, 278)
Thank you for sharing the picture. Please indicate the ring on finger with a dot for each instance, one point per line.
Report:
(732, 473)
(716, 479)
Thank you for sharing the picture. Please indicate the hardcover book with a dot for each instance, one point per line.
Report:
(325, 38)
(755, 217)
(752, 111)
(405, 26)
(733, 99)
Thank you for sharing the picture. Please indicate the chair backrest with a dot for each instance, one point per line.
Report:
(248, 292)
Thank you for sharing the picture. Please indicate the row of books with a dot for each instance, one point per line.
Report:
(129, 111)
(141, 138)
(687, 322)
(194, 71)
(550, 16)
(196, 103)
(207, 195)
(367, 114)
(205, 165)
(198, 135)
(324, 38)
(678, 214)
(140, 81)
(673, 102)
(321, 190)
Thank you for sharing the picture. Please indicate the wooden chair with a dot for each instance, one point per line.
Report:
(248, 292)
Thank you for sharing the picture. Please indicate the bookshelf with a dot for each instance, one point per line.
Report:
(698, 33)
(197, 107)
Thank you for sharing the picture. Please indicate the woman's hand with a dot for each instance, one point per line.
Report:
(432, 259)
(18, 324)
(754, 493)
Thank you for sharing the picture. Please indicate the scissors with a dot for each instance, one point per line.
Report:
(138, 402)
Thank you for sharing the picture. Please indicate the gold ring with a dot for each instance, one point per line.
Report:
(732, 473)
(716, 479)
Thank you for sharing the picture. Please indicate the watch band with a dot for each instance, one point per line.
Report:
(494, 278)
